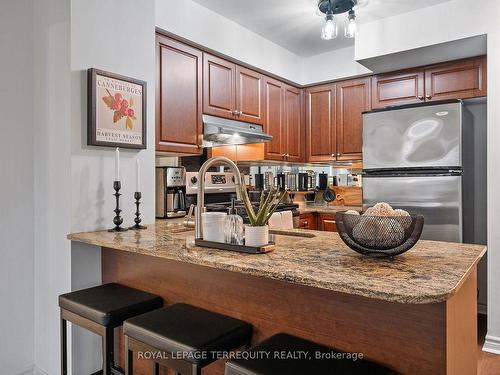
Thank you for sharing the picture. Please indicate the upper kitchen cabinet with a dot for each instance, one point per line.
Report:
(249, 95)
(397, 88)
(283, 121)
(294, 131)
(178, 97)
(274, 124)
(320, 123)
(353, 98)
(460, 79)
(456, 80)
(232, 91)
(218, 87)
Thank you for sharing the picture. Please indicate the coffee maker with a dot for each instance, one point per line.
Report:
(170, 192)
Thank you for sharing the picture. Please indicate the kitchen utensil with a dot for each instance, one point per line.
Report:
(280, 181)
(379, 236)
(259, 181)
(323, 181)
(291, 181)
(329, 195)
(305, 181)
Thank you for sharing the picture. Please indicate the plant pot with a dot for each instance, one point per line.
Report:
(256, 236)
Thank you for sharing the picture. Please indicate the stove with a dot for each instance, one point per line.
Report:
(220, 189)
(240, 208)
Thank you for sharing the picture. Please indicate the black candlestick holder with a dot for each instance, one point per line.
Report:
(137, 220)
(117, 220)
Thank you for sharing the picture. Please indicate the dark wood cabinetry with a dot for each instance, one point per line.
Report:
(294, 131)
(283, 121)
(218, 86)
(334, 120)
(178, 97)
(307, 221)
(249, 95)
(456, 80)
(327, 223)
(320, 123)
(353, 98)
(317, 124)
(397, 88)
(232, 91)
(453, 80)
(273, 124)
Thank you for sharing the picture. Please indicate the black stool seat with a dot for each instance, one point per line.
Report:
(281, 347)
(190, 330)
(109, 304)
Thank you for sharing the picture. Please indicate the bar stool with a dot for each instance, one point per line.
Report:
(101, 309)
(317, 361)
(183, 337)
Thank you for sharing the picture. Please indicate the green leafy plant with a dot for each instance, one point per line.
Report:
(267, 205)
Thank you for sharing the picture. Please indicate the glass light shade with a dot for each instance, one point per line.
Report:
(329, 28)
(351, 28)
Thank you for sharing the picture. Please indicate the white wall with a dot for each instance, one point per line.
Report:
(336, 64)
(16, 187)
(450, 21)
(117, 36)
(192, 21)
(52, 175)
(423, 27)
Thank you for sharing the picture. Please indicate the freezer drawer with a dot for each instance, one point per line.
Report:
(417, 137)
(438, 198)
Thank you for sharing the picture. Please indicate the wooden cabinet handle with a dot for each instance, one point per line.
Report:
(420, 97)
(428, 96)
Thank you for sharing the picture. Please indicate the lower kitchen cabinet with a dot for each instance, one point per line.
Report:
(327, 223)
(307, 221)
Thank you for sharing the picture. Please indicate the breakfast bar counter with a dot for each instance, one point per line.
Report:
(415, 313)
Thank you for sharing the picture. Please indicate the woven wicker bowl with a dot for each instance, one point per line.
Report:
(379, 236)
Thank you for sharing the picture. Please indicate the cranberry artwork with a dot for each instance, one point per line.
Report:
(121, 107)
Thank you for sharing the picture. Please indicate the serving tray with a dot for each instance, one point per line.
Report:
(232, 247)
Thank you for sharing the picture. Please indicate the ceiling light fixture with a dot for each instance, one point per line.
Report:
(328, 9)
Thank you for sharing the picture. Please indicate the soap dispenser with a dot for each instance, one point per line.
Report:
(233, 226)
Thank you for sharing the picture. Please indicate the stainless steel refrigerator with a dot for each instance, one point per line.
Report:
(417, 158)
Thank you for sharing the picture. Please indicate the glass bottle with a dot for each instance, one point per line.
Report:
(233, 227)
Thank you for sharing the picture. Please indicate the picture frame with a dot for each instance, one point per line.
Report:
(116, 106)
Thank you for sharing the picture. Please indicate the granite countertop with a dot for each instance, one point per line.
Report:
(430, 272)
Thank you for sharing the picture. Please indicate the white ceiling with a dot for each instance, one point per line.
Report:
(294, 24)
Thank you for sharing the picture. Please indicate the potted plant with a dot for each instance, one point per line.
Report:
(257, 233)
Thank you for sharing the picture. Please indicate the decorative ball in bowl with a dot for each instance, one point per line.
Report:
(380, 231)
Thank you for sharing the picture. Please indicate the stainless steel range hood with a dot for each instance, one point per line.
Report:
(218, 131)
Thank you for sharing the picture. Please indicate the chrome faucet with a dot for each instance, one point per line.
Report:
(200, 198)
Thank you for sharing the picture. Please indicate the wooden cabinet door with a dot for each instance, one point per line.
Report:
(398, 88)
(273, 124)
(292, 117)
(456, 80)
(353, 98)
(249, 95)
(307, 221)
(327, 223)
(178, 97)
(218, 87)
(320, 123)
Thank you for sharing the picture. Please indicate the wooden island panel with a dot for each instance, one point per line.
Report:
(434, 338)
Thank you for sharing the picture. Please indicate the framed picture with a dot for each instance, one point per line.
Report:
(116, 110)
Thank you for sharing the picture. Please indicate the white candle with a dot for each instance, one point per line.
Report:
(137, 176)
(117, 164)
